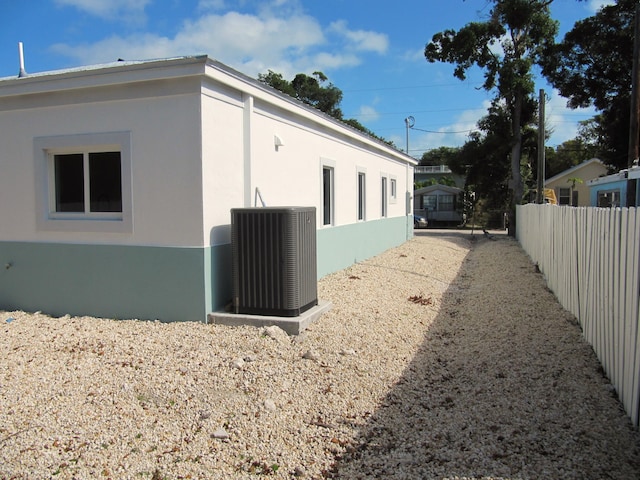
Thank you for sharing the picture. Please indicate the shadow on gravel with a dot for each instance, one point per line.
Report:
(502, 387)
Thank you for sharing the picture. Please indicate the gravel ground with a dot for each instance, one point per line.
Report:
(441, 358)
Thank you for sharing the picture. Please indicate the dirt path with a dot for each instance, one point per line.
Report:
(502, 387)
(441, 358)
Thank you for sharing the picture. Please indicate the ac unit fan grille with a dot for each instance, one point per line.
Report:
(274, 260)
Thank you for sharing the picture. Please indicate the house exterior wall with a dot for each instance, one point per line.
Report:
(244, 158)
(201, 140)
(137, 273)
(612, 183)
(587, 172)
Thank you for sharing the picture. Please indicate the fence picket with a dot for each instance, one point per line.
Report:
(591, 261)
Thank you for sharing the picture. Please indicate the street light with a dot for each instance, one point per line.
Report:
(409, 122)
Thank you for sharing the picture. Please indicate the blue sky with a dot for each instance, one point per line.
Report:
(371, 49)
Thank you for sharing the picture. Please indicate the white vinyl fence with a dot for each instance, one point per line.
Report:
(590, 258)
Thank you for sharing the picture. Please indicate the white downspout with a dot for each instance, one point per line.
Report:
(246, 147)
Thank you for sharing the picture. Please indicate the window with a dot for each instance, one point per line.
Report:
(327, 195)
(85, 182)
(430, 202)
(361, 195)
(394, 192)
(88, 182)
(609, 198)
(383, 194)
(564, 196)
(446, 203)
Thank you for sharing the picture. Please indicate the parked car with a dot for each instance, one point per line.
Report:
(419, 222)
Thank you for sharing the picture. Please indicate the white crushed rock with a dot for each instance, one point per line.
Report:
(441, 358)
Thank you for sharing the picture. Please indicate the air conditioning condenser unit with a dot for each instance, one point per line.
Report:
(274, 260)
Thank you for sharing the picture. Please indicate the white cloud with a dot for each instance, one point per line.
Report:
(253, 43)
(361, 40)
(454, 134)
(368, 113)
(416, 55)
(211, 4)
(562, 120)
(130, 11)
(243, 41)
(595, 5)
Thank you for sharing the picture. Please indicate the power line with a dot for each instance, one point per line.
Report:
(434, 131)
(407, 87)
(418, 111)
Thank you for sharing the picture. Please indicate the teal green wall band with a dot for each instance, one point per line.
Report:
(107, 281)
(218, 277)
(163, 283)
(340, 247)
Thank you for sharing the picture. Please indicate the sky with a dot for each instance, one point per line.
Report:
(372, 50)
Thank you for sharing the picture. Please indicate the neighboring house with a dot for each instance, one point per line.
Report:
(611, 191)
(570, 186)
(422, 173)
(438, 203)
(118, 180)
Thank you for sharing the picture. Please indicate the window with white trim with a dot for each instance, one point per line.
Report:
(564, 196)
(362, 183)
(327, 195)
(609, 198)
(85, 182)
(394, 189)
(383, 194)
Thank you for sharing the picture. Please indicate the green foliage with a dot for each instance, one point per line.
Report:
(592, 66)
(523, 29)
(318, 92)
(439, 156)
(568, 154)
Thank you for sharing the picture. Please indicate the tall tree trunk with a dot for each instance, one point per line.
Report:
(517, 188)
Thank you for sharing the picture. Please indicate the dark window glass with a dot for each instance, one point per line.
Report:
(69, 182)
(361, 196)
(384, 197)
(326, 196)
(105, 186)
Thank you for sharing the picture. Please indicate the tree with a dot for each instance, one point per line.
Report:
(317, 92)
(568, 154)
(483, 158)
(592, 66)
(439, 156)
(522, 29)
(573, 181)
(310, 90)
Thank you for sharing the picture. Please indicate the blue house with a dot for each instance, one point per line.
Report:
(611, 190)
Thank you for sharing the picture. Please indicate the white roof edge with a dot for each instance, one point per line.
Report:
(91, 69)
(438, 186)
(34, 79)
(572, 169)
(291, 100)
(629, 174)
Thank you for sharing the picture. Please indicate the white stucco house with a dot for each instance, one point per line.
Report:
(118, 180)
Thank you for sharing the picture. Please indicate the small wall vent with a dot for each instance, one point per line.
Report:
(274, 260)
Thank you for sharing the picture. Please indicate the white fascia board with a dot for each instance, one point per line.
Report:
(237, 80)
(616, 177)
(116, 73)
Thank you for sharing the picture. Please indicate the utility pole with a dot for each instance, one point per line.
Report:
(634, 130)
(541, 155)
(409, 123)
